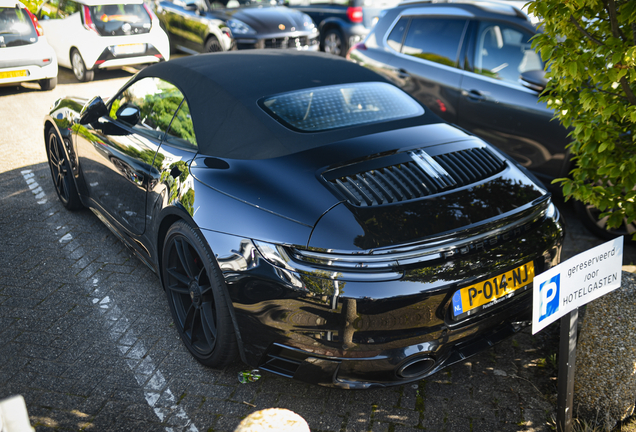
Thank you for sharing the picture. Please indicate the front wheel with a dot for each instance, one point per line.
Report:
(197, 297)
(590, 216)
(79, 67)
(334, 43)
(61, 172)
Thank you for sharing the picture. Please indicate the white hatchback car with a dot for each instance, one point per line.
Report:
(101, 34)
(25, 55)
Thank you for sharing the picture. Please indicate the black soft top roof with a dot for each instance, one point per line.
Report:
(222, 90)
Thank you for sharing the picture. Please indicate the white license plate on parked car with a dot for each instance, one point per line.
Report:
(129, 49)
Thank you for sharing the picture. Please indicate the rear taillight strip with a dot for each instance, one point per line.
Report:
(36, 24)
(87, 19)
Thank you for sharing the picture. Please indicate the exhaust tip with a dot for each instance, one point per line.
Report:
(415, 367)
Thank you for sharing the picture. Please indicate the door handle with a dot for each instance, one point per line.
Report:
(402, 74)
(474, 95)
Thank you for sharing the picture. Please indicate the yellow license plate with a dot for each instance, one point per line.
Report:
(13, 74)
(129, 49)
(484, 294)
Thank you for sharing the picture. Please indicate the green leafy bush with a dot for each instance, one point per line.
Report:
(590, 50)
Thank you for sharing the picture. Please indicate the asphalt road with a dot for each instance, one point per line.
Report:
(86, 335)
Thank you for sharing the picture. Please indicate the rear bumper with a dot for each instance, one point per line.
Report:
(400, 365)
(99, 52)
(364, 334)
(28, 73)
(300, 43)
(110, 59)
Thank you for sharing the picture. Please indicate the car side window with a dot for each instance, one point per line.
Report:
(147, 106)
(434, 39)
(68, 8)
(504, 52)
(49, 10)
(181, 132)
(396, 37)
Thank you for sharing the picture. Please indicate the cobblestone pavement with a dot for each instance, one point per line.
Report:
(87, 338)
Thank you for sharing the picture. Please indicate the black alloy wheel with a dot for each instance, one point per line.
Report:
(591, 218)
(197, 297)
(213, 45)
(333, 43)
(61, 172)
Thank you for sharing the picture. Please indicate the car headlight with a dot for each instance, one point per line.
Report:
(308, 23)
(239, 27)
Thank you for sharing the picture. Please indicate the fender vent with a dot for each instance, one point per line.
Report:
(421, 176)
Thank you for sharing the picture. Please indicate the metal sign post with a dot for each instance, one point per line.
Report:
(567, 360)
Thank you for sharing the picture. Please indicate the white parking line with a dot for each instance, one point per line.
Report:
(34, 186)
(148, 376)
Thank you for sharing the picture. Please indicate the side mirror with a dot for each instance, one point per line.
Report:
(128, 114)
(94, 109)
(534, 80)
(191, 6)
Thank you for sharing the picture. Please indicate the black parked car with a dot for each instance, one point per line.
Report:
(196, 26)
(472, 64)
(342, 23)
(320, 224)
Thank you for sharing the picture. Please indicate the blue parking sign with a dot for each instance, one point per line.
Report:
(549, 297)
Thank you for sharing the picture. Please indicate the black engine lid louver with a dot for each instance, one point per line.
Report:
(418, 177)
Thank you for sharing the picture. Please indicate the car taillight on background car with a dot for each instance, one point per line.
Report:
(354, 14)
(360, 46)
(36, 24)
(87, 19)
(150, 14)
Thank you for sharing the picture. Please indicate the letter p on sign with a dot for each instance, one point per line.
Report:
(549, 297)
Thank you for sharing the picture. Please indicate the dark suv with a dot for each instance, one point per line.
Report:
(473, 65)
(342, 23)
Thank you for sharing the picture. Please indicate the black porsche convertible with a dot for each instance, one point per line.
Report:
(308, 217)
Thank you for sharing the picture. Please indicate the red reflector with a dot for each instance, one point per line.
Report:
(441, 105)
(98, 62)
(354, 14)
(46, 60)
(159, 56)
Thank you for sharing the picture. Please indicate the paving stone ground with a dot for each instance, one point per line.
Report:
(87, 338)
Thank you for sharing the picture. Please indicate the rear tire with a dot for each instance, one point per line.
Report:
(590, 217)
(197, 297)
(61, 172)
(213, 45)
(48, 84)
(79, 67)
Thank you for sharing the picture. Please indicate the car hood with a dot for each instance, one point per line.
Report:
(271, 19)
(307, 187)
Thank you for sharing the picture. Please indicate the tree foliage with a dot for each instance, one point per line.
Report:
(590, 50)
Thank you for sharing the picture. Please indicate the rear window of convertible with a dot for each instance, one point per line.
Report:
(330, 107)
